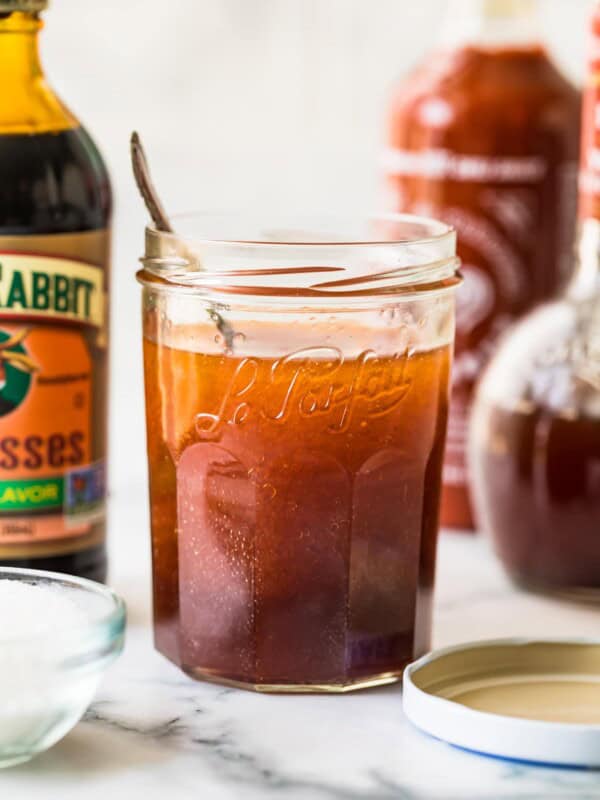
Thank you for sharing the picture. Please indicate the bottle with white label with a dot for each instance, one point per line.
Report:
(55, 207)
(484, 135)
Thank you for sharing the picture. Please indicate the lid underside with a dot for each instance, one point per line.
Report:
(553, 682)
(528, 700)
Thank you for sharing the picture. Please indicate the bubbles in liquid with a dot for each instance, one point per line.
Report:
(388, 314)
(166, 323)
(396, 314)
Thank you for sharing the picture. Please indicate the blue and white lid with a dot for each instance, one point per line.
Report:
(536, 701)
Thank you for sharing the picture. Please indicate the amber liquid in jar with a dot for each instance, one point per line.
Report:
(294, 509)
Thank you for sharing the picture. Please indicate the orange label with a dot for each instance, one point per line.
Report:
(52, 331)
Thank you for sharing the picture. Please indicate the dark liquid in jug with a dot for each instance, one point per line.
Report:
(542, 470)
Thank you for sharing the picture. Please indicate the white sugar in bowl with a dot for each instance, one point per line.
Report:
(57, 636)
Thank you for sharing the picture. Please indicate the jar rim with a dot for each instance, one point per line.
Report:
(426, 229)
(300, 256)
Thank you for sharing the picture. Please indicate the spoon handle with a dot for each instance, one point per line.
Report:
(141, 172)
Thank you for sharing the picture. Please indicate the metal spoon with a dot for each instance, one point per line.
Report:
(141, 172)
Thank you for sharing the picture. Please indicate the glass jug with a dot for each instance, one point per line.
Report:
(535, 437)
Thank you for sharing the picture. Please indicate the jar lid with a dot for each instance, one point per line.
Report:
(9, 6)
(524, 700)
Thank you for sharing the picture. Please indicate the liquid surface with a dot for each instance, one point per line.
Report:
(487, 140)
(294, 510)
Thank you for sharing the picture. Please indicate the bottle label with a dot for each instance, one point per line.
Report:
(52, 393)
(442, 164)
(44, 288)
(514, 216)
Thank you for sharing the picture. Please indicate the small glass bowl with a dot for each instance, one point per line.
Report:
(47, 681)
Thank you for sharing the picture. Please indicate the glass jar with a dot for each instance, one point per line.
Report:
(296, 397)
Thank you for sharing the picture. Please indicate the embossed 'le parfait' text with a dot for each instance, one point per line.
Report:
(310, 383)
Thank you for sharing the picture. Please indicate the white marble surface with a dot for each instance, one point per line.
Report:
(154, 733)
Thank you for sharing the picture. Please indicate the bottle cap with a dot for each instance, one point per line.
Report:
(508, 8)
(27, 6)
(523, 700)
(498, 10)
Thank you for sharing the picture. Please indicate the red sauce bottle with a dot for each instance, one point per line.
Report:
(485, 136)
(535, 437)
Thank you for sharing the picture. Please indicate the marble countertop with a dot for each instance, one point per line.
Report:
(154, 733)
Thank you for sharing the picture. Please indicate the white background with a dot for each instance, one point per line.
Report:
(241, 103)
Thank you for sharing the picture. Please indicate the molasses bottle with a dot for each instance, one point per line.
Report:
(535, 437)
(484, 135)
(55, 207)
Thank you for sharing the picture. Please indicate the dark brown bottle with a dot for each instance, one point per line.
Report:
(55, 208)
